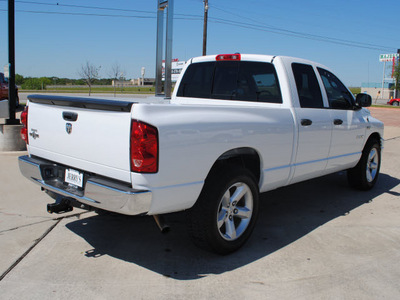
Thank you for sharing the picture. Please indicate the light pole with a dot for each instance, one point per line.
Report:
(161, 6)
(11, 60)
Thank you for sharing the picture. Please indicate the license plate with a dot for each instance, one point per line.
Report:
(74, 177)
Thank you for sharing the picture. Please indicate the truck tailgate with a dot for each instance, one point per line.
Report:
(91, 135)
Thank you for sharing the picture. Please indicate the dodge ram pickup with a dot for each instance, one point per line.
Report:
(237, 125)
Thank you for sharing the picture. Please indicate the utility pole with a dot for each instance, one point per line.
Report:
(205, 27)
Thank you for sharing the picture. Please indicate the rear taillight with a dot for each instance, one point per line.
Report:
(144, 148)
(222, 57)
(24, 121)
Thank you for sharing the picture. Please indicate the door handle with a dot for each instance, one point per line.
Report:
(70, 116)
(306, 122)
(338, 122)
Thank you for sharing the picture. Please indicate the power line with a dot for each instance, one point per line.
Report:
(301, 34)
(98, 15)
(84, 6)
(98, 7)
(262, 27)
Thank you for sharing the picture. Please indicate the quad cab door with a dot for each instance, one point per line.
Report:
(349, 124)
(314, 125)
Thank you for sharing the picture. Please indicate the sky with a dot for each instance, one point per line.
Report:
(55, 38)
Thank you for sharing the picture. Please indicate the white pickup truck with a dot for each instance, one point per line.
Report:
(236, 125)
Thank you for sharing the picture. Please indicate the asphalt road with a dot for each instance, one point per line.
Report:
(318, 239)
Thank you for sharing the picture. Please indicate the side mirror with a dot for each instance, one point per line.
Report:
(363, 100)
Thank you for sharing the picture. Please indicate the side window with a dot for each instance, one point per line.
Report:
(197, 81)
(2, 78)
(231, 80)
(339, 97)
(307, 86)
(246, 81)
(258, 82)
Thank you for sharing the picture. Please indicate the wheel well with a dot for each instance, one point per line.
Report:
(247, 158)
(375, 136)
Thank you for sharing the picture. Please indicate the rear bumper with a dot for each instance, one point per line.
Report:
(99, 192)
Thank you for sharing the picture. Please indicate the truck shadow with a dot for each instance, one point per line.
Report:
(286, 215)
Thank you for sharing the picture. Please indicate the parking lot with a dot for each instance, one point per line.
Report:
(318, 239)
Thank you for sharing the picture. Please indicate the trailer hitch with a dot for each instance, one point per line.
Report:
(59, 207)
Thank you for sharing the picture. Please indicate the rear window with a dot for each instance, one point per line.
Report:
(231, 80)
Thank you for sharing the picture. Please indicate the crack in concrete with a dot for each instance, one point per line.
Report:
(36, 242)
(35, 223)
(393, 138)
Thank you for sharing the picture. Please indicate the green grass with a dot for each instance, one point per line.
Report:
(385, 106)
(355, 90)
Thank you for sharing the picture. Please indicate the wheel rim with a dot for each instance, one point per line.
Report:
(235, 211)
(395, 103)
(372, 164)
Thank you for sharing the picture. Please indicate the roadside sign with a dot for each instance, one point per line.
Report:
(7, 71)
(388, 57)
(176, 69)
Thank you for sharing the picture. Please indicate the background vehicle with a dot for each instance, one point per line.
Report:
(394, 102)
(4, 89)
(237, 125)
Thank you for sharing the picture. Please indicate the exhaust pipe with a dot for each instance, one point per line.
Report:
(164, 227)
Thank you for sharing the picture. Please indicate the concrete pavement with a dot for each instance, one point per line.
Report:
(314, 240)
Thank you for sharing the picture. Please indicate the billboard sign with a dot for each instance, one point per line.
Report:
(388, 57)
(176, 69)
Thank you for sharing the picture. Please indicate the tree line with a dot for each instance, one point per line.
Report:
(38, 83)
(88, 72)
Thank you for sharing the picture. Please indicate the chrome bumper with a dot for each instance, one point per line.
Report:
(99, 192)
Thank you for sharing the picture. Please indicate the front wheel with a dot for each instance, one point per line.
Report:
(225, 213)
(365, 174)
(395, 103)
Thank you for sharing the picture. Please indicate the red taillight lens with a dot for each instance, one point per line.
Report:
(228, 57)
(144, 148)
(24, 121)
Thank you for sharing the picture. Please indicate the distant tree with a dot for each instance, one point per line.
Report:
(89, 73)
(115, 73)
(35, 83)
(19, 79)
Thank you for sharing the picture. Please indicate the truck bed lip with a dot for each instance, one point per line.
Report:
(82, 102)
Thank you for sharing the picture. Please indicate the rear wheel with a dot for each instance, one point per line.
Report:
(395, 103)
(365, 174)
(226, 211)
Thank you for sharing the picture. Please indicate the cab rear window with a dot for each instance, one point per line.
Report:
(231, 80)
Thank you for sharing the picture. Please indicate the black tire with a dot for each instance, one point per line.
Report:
(222, 221)
(365, 174)
(395, 103)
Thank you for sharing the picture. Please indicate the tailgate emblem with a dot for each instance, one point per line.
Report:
(68, 128)
(34, 134)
